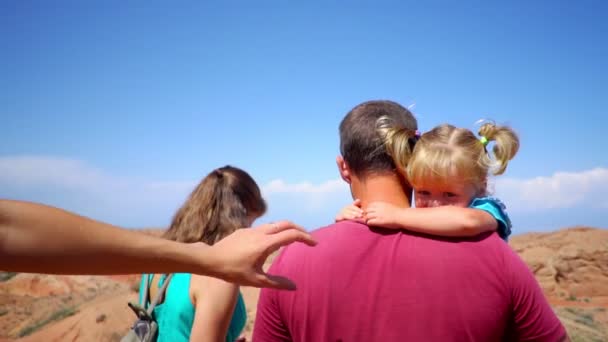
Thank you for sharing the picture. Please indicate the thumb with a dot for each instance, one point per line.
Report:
(357, 203)
(276, 282)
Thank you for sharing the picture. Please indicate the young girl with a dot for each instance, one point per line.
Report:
(448, 169)
(202, 308)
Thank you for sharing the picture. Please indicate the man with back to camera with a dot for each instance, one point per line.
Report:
(372, 284)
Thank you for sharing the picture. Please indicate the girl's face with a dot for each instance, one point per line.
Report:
(457, 193)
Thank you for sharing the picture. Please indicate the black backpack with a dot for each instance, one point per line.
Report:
(145, 328)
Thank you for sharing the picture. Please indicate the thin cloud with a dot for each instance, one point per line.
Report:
(306, 198)
(327, 187)
(34, 171)
(60, 173)
(78, 186)
(559, 191)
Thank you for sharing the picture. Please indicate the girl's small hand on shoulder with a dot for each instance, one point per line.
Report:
(382, 214)
(351, 212)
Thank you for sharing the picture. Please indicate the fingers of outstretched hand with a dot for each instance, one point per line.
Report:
(285, 237)
(279, 226)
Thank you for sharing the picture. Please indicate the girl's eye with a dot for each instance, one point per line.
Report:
(449, 194)
(423, 193)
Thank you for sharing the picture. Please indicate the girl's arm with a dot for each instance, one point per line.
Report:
(351, 212)
(441, 221)
(214, 302)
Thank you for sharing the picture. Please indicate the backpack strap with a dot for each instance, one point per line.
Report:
(159, 296)
(146, 290)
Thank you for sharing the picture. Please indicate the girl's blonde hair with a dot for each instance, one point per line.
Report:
(398, 140)
(225, 200)
(445, 151)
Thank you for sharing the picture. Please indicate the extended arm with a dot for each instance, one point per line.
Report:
(43, 239)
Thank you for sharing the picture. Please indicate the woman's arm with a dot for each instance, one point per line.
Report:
(214, 302)
(42, 239)
(441, 221)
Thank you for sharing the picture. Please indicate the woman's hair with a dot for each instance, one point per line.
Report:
(446, 151)
(225, 200)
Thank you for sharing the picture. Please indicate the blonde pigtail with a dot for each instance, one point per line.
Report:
(506, 144)
(399, 142)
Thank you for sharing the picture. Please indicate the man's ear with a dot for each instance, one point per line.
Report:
(343, 168)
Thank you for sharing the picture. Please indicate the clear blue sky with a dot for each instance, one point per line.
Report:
(114, 109)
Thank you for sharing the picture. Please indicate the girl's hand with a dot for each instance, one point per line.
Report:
(382, 214)
(351, 212)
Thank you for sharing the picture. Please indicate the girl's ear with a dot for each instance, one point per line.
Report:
(343, 169)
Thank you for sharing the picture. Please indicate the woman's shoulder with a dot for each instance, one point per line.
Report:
(202, 284)
(199, 281)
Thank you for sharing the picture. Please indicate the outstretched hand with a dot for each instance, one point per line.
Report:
(242, 254)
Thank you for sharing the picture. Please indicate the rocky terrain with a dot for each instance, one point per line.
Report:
(31, 304)
(570, 264)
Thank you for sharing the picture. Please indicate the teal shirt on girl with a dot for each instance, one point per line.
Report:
(498, 210)
(175, 315)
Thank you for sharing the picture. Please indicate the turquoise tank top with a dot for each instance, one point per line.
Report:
(176, 314)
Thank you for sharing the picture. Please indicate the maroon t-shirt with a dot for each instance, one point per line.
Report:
(360, 284)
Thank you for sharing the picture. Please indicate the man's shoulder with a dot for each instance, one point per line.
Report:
(330, 239)
(347, 237)
(335, 230)
(338, 235)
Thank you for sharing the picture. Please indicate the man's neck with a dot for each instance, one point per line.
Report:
(382, 188)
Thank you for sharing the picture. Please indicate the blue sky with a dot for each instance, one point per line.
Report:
(116, 109)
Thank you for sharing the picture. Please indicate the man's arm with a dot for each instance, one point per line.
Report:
(43, 239)
(533, 317)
